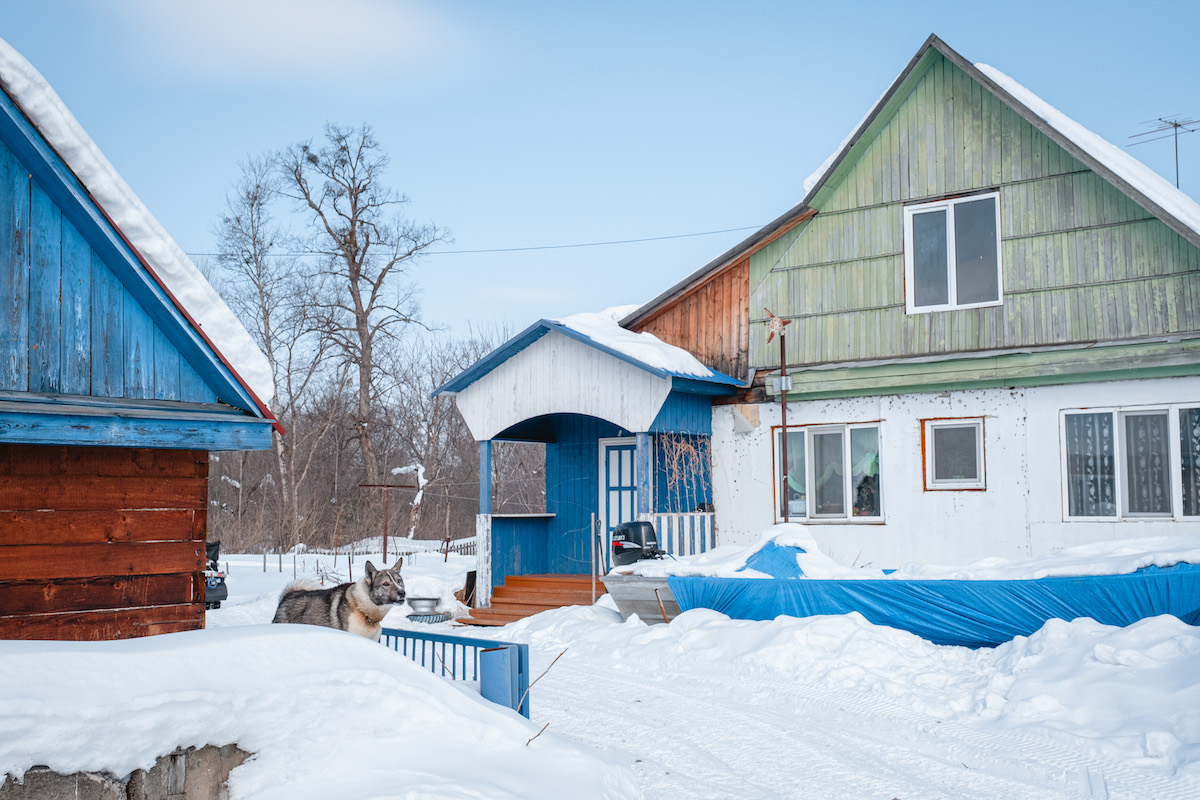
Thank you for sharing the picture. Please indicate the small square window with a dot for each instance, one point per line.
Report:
(952, 254)
(954, 454)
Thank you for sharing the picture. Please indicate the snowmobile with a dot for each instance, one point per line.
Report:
(215, 589)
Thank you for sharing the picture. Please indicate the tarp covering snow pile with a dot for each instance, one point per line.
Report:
(974, 612)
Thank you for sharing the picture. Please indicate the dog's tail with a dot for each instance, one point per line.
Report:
(300, 585)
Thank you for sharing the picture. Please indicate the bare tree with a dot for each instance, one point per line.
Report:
(278, 305)
(368, 247)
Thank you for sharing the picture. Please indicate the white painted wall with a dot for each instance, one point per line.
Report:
(555, 375)
(1019, 515)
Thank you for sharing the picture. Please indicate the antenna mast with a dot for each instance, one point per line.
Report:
(1174, 124)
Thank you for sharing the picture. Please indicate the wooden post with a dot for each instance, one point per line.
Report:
(642, 475)
(485, 477)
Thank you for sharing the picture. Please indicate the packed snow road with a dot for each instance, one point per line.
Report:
(701, 718)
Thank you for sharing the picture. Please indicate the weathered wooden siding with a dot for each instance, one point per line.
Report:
(1081, 262)
(67, 325)
(711, 321)
(101, 543)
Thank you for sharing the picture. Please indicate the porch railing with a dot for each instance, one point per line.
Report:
(501, 668)
(685, 534)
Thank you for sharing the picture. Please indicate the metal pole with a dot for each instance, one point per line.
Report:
(783, 409)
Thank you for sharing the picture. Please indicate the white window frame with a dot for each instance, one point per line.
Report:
(932, 484)
(1174, 468)
(847, 488)
(948, 205)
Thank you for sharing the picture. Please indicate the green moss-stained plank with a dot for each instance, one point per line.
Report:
(1081, 262)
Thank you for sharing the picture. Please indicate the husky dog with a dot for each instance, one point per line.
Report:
(357, 607)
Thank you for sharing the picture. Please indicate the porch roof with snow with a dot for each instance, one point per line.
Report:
(584, 364)
(110, 335)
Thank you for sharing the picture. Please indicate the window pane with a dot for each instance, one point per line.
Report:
(955, 453)
(1189, 447)
(829, 491)
(931, 284)
(1091, 482)
(1147, 464)
(794, 494)
(975, 251)
(864, 471)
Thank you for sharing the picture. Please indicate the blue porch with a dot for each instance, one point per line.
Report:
(624, 440)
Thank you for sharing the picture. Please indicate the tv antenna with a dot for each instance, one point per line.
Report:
(1174, 123)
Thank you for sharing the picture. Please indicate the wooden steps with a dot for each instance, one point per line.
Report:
(525, 595)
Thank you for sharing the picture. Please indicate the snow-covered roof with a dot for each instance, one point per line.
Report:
(603, 328)
(1155, 187)
(167, 262)
(601, 331)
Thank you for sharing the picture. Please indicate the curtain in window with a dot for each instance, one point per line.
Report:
(1147, 464)
(864, 471)
(791, 488)
(1091, 481)
(1189, 448)
(829, 487)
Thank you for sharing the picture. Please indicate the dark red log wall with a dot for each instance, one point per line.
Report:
(101, 542)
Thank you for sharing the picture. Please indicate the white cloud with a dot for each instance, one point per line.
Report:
(356, 45)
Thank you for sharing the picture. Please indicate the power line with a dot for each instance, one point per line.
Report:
(306, 253)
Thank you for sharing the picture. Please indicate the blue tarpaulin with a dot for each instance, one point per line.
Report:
(972, 613)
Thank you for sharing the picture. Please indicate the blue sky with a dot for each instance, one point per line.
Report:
(528, 124)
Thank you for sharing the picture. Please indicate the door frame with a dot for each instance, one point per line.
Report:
(602, 481)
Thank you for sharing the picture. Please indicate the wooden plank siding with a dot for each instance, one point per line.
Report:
(1081, 262)
(67, 324)
(711, 321)
(101, 542)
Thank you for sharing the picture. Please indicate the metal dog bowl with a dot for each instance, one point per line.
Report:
(423, 605)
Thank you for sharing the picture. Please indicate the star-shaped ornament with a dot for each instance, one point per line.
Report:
(777, 324)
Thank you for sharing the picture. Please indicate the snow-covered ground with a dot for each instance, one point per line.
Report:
(706, 707)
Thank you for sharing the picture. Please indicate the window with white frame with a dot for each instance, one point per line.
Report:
(1132, 463)
(952, 254)
(954, 454)
(832, 473)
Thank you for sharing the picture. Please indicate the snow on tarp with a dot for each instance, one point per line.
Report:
(166, 259)
(602, 327)
(983, 604)
(969, 613)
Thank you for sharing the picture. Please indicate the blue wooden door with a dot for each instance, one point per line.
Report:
(618, 483)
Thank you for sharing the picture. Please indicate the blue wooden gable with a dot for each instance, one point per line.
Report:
(93, 350)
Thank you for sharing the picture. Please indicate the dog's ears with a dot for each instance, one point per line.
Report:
(370, 569)
(399, 561)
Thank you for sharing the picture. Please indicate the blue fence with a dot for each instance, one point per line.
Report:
(501, 668)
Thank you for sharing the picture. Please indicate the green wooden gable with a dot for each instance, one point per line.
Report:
(1083, 263)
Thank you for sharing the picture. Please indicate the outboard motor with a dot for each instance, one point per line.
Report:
(634, 541)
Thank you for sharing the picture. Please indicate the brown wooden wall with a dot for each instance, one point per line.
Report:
(712, 322)
(101, 542)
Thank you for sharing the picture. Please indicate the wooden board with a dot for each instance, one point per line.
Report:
(104, 625)
(48, 562)
(96, 526)
(90, 594)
